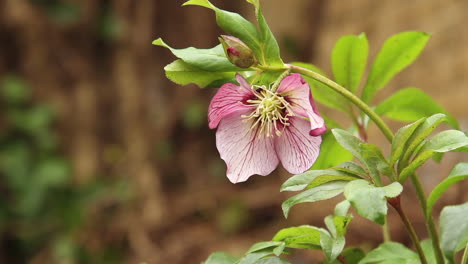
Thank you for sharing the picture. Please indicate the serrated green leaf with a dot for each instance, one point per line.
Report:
(321, 92)
(391, 253)
(458, 173)
(398, 52)
(304, 236)
(368, 200)
(314, 178)
(453, 229)
(220, 258)
(349, 59)
(322, 192)
(332, 153)
(212, 60)
(183, 74)
(401, 138)
(411, 104)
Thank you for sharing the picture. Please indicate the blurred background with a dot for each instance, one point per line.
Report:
(103, 160)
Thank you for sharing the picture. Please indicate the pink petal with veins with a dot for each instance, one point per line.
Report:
(296, 149)
(226, 101)
(244, 151)
(297, 92)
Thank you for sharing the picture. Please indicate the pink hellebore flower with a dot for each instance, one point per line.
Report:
(258, 127)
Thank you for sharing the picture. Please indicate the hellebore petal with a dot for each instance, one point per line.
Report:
(296, 148)
(228, 100)
(244, 151)
(297, 92)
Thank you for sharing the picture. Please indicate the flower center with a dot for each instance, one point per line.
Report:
(271, 112)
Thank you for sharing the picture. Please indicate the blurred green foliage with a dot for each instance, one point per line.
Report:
(40, 206)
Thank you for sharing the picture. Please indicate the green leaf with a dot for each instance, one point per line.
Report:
(342, 208)
(420, 134)
(391, 253)
(237, 26)
(204, 3)
(352, 168)
(321, 92)
(458, 173)
(349, 59)
(322, 192)
(315, 178)
(428, 251)
(212, 60)
(353, 255)
(401, 138)
(272, 260)
(220, 258)
(331, 246)
(398, 52)
(263, 245)
(254, 257)
(443, 142)
(370, 155)
(335, 153)
(269, 45)
(341, 225)
(411, 104)
(453, 229)
(393, 190)
(370, 201)
(182, 73)
(304, 236)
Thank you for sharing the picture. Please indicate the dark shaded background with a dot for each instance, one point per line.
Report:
(103, 160)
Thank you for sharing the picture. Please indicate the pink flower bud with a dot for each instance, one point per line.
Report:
(237, 52)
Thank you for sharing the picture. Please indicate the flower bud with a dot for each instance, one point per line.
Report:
(237, 52)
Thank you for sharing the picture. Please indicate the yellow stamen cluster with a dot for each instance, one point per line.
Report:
(271, 108)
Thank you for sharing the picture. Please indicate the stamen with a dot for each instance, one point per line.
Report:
(271, 109)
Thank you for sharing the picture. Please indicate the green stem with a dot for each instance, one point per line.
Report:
(348, 95)
(409, 227)
(465, 256)
(386, 232)
(429, 219)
